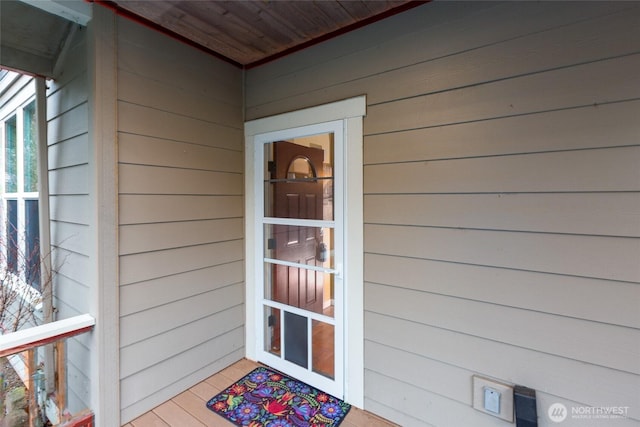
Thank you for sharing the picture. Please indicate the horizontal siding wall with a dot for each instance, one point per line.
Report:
(180, 214)
(501, 197)
(70, 210)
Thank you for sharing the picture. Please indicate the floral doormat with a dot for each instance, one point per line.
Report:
(270, 399)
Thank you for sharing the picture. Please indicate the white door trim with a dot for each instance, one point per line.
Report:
(351, 111)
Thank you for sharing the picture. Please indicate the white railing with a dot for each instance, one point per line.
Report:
(36, 336)
(27, 341)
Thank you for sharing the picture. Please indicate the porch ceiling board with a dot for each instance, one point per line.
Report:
(252, 32)
(246, 33)
(31, 39)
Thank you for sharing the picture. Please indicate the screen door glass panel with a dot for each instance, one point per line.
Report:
(306, 245)
(323, 339)
(300, 287)
(298, 181)
(272, 329)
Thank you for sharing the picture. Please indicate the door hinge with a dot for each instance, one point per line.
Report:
(271, 243)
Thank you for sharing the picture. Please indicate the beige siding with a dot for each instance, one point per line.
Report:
(502, 197)
(70, 212)
(180, 215)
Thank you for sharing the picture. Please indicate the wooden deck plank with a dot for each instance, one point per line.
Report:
(150, 419)
(220, 381)
(196, 406)
(205, 390)
(357, 418)
(237, 371)
(188, 409)
(174, 415)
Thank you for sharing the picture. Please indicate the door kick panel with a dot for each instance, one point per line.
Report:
(295, 339)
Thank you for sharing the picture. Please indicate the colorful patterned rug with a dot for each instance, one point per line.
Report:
(266, 398)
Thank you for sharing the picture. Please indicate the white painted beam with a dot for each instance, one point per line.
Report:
(77, 11)
(16, 59)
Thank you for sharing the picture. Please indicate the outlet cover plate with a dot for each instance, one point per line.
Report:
(506, 397)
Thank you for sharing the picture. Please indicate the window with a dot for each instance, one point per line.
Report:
(21, 233)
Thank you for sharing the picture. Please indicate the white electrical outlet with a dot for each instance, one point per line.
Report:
(493, 398)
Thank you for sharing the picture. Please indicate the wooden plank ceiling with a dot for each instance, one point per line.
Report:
(249, 32)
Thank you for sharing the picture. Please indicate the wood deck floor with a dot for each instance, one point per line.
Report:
(188, 409)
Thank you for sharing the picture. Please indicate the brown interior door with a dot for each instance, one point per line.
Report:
(297, 193)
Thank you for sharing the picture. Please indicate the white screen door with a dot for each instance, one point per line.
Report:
(304, 245)
(299, 213)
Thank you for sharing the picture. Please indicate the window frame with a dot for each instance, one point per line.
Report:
(17, 109)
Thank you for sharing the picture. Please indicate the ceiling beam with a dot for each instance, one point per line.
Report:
(25, 62)
(64, 50)
(77, 11)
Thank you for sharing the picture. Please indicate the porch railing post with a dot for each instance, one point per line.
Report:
(32, 393)
(61, 376)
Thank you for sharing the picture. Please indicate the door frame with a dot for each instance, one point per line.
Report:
(351, 111)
